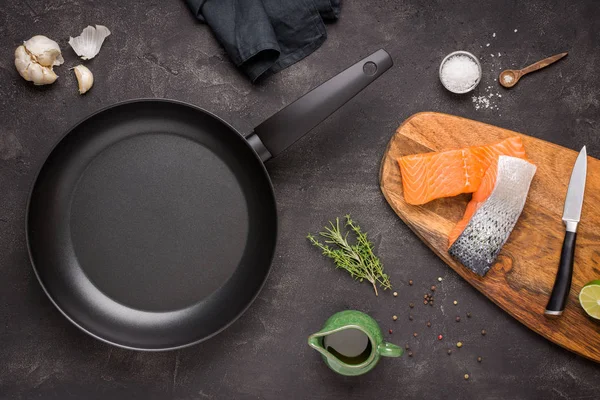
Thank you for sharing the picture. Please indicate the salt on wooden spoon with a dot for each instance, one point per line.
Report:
(509, 77)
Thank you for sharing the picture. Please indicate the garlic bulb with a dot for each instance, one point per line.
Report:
(85, 78)
(44, 51)
(88, 44)
(31, 70)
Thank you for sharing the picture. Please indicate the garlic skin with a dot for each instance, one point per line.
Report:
(44, 51)
(85, 78)
(30, 70)
(87, 45)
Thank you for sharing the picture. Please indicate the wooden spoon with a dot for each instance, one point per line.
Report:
(509, 77)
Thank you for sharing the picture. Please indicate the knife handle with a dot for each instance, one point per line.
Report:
(562, 284)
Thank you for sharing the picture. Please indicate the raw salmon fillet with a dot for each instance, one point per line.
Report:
(430, 176)
(487, 230)
(479, 197)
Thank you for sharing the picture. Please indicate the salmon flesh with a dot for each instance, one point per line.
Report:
(430, 176)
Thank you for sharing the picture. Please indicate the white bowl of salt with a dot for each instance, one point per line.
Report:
(460, 72)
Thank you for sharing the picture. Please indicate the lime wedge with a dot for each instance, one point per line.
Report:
(589, 298)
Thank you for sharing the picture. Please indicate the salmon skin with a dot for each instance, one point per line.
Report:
(487, 231)
(430, 176)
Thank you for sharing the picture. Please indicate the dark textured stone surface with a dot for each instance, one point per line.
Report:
(157, 49)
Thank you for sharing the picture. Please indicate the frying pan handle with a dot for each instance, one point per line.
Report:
(288, 125)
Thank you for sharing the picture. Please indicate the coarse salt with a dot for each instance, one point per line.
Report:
(460, 73)
(486, 100)
(508, 78)
(494, 35)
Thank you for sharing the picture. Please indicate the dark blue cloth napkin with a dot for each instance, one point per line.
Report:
(266, 36)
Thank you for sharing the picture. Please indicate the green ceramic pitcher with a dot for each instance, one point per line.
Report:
(352, 321)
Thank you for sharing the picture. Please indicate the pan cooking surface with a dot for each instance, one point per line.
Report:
(158, 222)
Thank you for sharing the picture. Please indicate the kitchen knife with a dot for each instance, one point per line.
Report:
(571, 217)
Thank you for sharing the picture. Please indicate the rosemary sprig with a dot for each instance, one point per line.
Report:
(358, 259)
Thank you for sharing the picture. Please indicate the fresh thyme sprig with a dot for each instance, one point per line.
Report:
(358, 259)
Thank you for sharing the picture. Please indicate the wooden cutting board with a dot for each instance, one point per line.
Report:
(521, 280)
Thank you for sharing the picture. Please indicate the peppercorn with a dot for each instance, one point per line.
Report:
(391, 331)
(440, 337)
(410, 353)
(426, 296)
(406, 346)
(457, 319)
(468, 315)
(395, 294)
(433, 288)
(428, 324)
(483, 332)
(410, 317)
(415, 334)
(449, 351)
(395, 317)
(411, 305)
(410, 282)
(459, 345)
(425, 302)
(466, 376)
(431, 303)
(479, 359)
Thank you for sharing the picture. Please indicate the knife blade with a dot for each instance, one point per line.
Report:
(574, 200)
(571, 217)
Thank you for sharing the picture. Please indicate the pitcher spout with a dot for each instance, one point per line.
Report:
(316, 341)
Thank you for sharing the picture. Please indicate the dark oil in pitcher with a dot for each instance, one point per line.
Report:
(351, 346)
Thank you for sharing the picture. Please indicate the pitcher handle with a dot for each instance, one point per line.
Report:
(389, 350)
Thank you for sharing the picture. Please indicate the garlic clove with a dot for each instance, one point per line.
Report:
(41, 75)
(85, 78)
(22, 61)
(32, 71)
(36, 73)
(44, 51)
(87, 45)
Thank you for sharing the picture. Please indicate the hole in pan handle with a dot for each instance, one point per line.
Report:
(288, 125)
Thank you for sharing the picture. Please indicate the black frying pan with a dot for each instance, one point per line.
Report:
(152, 224)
